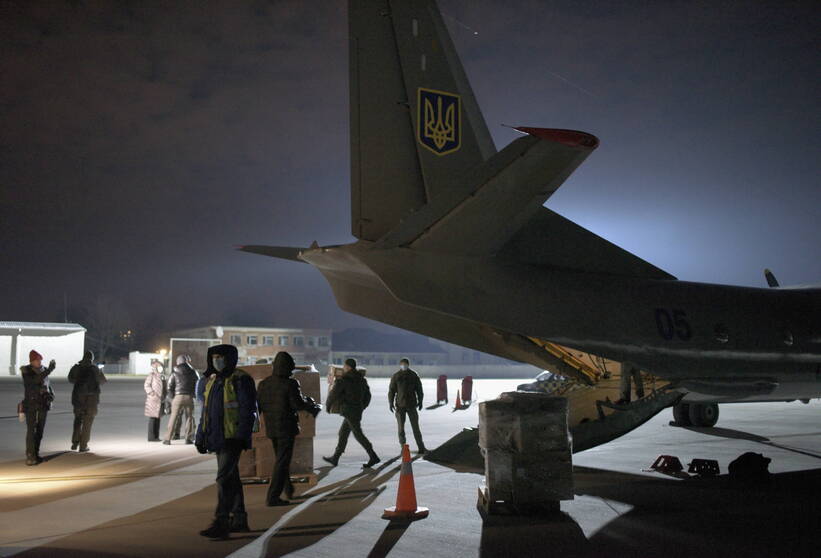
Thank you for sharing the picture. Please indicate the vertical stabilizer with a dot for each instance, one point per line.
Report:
(415, 125)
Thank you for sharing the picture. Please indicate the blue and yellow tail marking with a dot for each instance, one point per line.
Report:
(439, 120)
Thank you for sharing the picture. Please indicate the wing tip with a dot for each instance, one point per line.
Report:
(571, 138)
(280, 252)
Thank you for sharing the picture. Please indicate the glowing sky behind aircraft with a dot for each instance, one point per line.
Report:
(139, 144)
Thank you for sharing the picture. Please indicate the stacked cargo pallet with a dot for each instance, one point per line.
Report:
(258, 463)
(527, 448)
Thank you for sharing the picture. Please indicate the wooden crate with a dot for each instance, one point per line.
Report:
(302, 462)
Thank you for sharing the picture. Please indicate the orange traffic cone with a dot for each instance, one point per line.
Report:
(458, 401)
(406, 507)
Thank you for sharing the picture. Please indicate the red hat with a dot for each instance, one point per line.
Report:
(34, 355)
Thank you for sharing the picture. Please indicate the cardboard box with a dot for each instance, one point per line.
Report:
(265, 458)
(303, 459)
(527, 449)
(259, 462)
(335, 371)
(247, 464)
(301, 462)
(529, 479)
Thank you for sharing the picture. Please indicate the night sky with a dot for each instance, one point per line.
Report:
(141, 141)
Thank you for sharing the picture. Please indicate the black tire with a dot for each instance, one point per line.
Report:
(705, 415)
(681, 414)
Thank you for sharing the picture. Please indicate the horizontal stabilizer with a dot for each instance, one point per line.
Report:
(552, 240)
(497, 198)
(282, 252)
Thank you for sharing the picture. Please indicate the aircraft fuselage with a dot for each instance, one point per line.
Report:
(738, 343)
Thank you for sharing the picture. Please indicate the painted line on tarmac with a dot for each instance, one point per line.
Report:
(103, 476)
(50, 412)
(44, 523)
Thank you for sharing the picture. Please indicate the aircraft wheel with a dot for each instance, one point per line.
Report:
(704, 415)
(681, 414)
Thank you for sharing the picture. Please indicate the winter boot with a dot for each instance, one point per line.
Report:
(239, 523)
(374, 459)
(219, 529)
(333, 460)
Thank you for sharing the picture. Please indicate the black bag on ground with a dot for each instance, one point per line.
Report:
(750, 467)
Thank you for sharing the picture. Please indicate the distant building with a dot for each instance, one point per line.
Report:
(374, 348)
(255, 344)
(457, 355)
(140, 363)
(62, 342)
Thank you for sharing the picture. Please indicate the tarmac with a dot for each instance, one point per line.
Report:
(128, 497)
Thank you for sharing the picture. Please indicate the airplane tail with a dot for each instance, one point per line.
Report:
(424, 171)
(415, 124)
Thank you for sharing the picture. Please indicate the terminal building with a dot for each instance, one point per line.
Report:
(256, 345)
(374, 348)
(62, 342)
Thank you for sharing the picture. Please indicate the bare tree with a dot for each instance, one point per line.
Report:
(107, 319)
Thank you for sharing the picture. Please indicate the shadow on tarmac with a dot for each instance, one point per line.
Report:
(54, 455)
(671, 518)
(390, 536)
(329, 509)
(739, 435)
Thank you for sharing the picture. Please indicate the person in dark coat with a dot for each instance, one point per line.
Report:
(405, 397)
(155, 389)
(350, 395)
(181, 391)
(36, 403)
(280, 397)
(85, 398)
(225, 428)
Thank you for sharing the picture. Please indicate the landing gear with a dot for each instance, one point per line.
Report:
(705, 415)
(681, 414)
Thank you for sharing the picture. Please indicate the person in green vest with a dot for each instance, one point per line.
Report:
(225, 428)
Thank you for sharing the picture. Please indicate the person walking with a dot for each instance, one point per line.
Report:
(225, 428)
(37, 400)
(85, 398)
(350, 394)
(181, 389)
(280, 397)
(405, 398)
(155, 388)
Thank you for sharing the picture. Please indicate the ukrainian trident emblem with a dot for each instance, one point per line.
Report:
(439, 116)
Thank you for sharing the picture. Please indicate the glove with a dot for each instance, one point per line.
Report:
(52, 364)
(391, 408)
(201, 448)
(419, 406)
